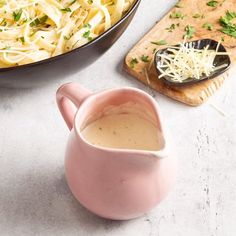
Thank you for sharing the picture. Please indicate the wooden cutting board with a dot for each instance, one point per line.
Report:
(145, 72)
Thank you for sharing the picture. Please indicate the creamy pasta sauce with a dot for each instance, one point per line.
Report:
(123, 131)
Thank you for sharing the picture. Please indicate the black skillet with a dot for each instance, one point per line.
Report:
(88, 53)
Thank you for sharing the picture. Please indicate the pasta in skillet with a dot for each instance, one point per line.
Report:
(33, 30)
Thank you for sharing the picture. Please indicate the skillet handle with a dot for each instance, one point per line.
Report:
(69, 98)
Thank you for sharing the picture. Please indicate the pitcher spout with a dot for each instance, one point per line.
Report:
(160, 154)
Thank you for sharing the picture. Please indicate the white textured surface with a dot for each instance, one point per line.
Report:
(34, 197)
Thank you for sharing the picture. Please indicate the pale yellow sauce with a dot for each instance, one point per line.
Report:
(123, 131)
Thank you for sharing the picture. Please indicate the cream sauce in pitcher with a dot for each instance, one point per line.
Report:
(123, 131)
(128, 169)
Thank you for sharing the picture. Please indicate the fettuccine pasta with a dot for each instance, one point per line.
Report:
(33, 30)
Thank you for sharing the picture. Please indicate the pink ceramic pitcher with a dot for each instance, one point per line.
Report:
(113, 183)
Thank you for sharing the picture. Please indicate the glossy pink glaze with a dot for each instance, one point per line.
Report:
(112, 183)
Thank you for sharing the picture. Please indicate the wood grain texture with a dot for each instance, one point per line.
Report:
(193, 95)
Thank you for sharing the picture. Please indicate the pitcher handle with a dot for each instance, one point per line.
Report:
(69, 98)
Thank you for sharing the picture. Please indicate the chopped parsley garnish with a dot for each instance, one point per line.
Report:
(212, 3)
(22, 39)
(72, 2)
(88, 26)
(3, 22)
(87, 35)
(172, 27)
(87, 32)
(189, 31)
(197, 15)
(17, 15)
(145, 58)
(160, 42)
(208, 26)
(133, 62)
(154, 50)
(66, 9)
(35, 22)
(39, 21)
(7, 48)
(229, 27)
(43, 19)
(177, 15)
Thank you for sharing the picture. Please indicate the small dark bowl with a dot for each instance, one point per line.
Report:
(198, 44)
(88, 53)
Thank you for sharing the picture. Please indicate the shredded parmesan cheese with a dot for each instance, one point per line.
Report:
(184, 62)
(146, 76)
(221, 112)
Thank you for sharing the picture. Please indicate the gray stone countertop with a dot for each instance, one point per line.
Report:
(34, 197)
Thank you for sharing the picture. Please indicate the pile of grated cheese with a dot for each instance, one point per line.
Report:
(184, 62)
